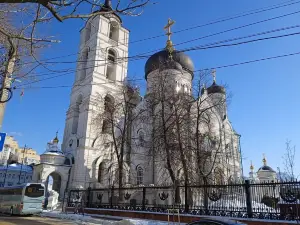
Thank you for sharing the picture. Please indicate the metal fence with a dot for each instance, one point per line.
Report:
(273, 200)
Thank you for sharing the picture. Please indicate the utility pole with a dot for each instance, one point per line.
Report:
(22, 165)
(6, 78)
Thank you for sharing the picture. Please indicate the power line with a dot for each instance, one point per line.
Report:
(229, 30)
(201, 46)
(223, 19)
(185, 50)
(198, 70)
(142, 55)
(240, 43)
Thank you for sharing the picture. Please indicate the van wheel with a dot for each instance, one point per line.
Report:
(11, 212)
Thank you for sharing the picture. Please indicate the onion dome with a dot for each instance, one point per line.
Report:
(55, 140)
(178, 60)
(251, 166)
(169, 58)
(265, 168)
(214, 88)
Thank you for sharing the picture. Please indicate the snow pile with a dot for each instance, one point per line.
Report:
(78, 218)
(146, 222)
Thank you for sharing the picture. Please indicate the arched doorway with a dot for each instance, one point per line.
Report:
(53, 182)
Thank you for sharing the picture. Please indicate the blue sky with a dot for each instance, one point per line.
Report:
(265, 105)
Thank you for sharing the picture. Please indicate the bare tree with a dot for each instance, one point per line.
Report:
(289, 160)
(112, 124)
(66, 9)
(20, 20)
(17, 45)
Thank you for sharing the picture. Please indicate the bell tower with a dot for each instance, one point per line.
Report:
(101, 70)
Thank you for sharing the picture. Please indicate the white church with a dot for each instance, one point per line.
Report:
(87, 157)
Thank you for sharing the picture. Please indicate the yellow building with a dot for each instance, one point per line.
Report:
(27, 156)
(11, 142)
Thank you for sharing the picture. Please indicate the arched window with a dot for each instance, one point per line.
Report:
(139, 175)
(111, 56)
(84, 64)
(141, 136)
(106, 127)
(76, 115)
(109, 104)
(111, 66)
(185, 88)
(114, 31)
(218, 176)
(101, 170)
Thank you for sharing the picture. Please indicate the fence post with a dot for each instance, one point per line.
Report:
(111, 196)
(248, 199)
(69, 198)
(144, 199)
(89, 197)
(186, 200)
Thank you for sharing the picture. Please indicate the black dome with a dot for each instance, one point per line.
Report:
(214, 88)
(155, 61)
(266, 168)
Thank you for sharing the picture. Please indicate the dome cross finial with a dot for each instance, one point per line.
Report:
(169, 45)
(251, 167)
(55, 140)
(213, 73)
(264, 160)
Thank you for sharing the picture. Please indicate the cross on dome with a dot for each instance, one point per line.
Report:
(169, 45)
(264, 160)
(213, 73)
(251, 166)
(55, 140)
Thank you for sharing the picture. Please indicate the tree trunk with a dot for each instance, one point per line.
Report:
(6, 80)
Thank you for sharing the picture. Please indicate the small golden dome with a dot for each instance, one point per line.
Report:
(55, 140)
(264, 160)
(251, 166)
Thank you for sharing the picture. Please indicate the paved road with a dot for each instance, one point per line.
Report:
(32, 220)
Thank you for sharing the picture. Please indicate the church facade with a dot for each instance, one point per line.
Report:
(156, 138)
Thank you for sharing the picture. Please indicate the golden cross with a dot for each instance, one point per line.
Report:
(168, 28)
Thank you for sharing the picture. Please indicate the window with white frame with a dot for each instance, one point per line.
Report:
(139, 175)
(141, 136)
(114, 31)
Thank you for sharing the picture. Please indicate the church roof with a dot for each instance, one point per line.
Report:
(16, 167)
(214, 88)
(266, 168)
(162, 59)
(54, 153)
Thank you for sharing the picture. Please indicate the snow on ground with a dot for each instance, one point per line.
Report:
(78, 219)
(89, 220)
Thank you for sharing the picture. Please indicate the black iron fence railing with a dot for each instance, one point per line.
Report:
(270, 200)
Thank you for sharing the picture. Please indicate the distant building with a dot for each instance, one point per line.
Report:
(12, 153)
(15, 174)
(9, 150)
(264, 174)
(28, 156)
